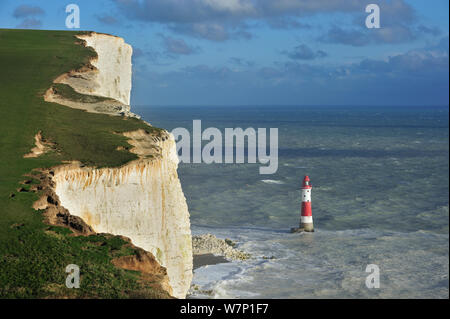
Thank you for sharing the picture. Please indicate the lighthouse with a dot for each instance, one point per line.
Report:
(306, 221)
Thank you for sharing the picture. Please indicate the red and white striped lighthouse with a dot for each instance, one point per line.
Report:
(306, 220)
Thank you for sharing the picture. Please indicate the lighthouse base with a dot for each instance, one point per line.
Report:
(302, 230)
(308, 227)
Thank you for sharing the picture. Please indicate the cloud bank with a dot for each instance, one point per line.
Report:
(219, 20)
(417, 75)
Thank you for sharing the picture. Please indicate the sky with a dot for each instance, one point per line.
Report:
(267, 52)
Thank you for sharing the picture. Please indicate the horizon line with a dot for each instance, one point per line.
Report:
(287, 105)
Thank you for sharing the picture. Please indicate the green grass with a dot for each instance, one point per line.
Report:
(67, 92)
(33, 256)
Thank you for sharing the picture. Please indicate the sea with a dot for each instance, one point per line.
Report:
(380, 202)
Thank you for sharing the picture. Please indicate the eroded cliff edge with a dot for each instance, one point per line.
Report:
(142, 200)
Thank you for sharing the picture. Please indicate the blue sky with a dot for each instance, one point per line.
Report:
(265, 52)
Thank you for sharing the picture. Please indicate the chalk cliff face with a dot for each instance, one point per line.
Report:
(143, 199)
(111, 76)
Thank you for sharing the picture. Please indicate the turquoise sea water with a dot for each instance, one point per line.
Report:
(380, 196)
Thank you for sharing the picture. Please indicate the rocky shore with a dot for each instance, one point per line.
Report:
(210, 244)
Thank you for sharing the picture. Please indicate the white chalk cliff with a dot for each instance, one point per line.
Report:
(142, 200)
(112, 74)
(108, 77)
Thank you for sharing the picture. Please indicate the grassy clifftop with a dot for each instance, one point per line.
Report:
(33, 255)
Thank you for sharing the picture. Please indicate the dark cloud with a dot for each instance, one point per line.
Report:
(355, 36)
(304, 52)
(212, 31)
(29, 15)
(207, 72)
(410, 64)
(174, 46)
(287, 23)
(30, 23)
(434, 31)
(443, 44)
(172, 49)
(219, 20)
(143, 58)
(394, 34)
(25, 11)
(108, 19)
(137, 53)
(351, 37)
(155, 57)
(241, 62)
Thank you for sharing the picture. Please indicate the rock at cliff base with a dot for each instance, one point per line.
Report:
(210, 244)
